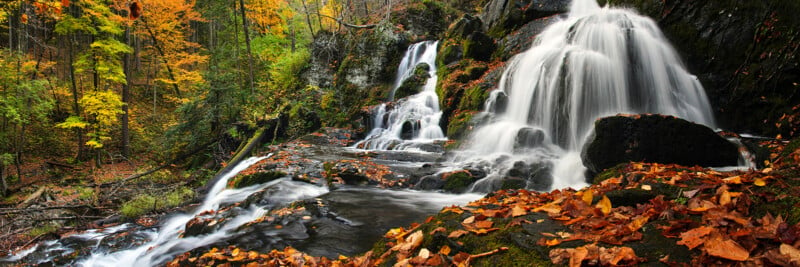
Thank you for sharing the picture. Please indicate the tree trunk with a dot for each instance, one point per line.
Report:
(308, 19)
(126, 97)
(75, 106)
(246, 30)
(4, 190)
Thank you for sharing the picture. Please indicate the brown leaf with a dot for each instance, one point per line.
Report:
(724, 247)
(468, 220)
(733, 180)
(483, 224)
(457, 233)
(694, 237)
(791, 252)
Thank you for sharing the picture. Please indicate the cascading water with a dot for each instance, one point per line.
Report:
(166, 242)
(595, 62)
(412, 121)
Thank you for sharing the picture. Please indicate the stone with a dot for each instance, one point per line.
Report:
(429, 182)
(655, 138)
(501, 16)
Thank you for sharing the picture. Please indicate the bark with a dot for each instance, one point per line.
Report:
(246, 31)
(126, 98)
(75, 106)
(308, 19)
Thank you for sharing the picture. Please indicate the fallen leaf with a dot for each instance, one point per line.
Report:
(468, 220)
(424, 253)
(552, 242)
(518, 210)
(694, 237)
(483, 224)
(690, 193)
(445, 250)
(759, 182)
(647, 187)
(457, 233)
(724, 198)
(637, 223)
(587, 196)
(411, 242)
(790, 251)
(577, 256)
(604, 205)
(723, 247)
(733, 180)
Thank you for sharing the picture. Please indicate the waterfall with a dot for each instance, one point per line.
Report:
(410, 122)
(167, 242)
(595, 62)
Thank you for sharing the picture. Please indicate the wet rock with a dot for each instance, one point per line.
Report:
(513, 183)
(201, 226)
(408, 130)
(501, 16)
(522, 39)
(256, 178)
(479, 46)
(414, 84)
(540, 178)
(458, 181)
(529, 138)
(430, 182)
(655, 138)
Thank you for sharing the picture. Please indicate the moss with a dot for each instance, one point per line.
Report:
(458, 181)
(144, 204)
(42, 230)
(257, 178)
(610, 173)
(778, 200)
(459, 126)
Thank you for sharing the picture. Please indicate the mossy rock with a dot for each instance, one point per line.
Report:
(257, 178)
(414, 84)
(610, 173)
(458, 182)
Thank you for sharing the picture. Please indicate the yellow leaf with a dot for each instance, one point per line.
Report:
(552, 242)
(790, 251)
(604, 205)
(587, 196)
(236, 252)
(724, 198)
(759, 182)
(647, 187)
(733, 180)
(766, 170)
(638, 223)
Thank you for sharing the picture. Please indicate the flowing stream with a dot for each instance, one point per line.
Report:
(596, 62)
(409, 123)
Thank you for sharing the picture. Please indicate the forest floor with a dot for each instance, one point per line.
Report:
(55, 198)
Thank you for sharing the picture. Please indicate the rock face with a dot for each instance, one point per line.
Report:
(744, 52)
(655, 138)
(503, 15)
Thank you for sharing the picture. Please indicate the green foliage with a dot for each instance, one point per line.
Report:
(144, 204)
(42, 230)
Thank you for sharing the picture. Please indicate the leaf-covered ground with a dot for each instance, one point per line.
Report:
(636, 213)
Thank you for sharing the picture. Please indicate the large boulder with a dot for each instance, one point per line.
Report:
(501, 16)
(655, 138)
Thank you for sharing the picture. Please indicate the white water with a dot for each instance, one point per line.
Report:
(420, 111)
(165, 243)
(595, 62)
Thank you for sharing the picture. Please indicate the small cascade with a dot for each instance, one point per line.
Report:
(595, 62)
(409, 123)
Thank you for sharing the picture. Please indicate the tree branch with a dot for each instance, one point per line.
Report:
(338, 20)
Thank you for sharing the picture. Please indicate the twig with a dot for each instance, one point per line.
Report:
(367, 26)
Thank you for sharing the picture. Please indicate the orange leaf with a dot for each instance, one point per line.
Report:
(725, 198)
(722, 247)
(517, 211)
(576, 256)
(468, 220)
(693, 238)
(759, 182)
(445, 250)
(457, 233)
(483, 224)
(552, 242)
(483, 231)
(604, 205)
(638, 223)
